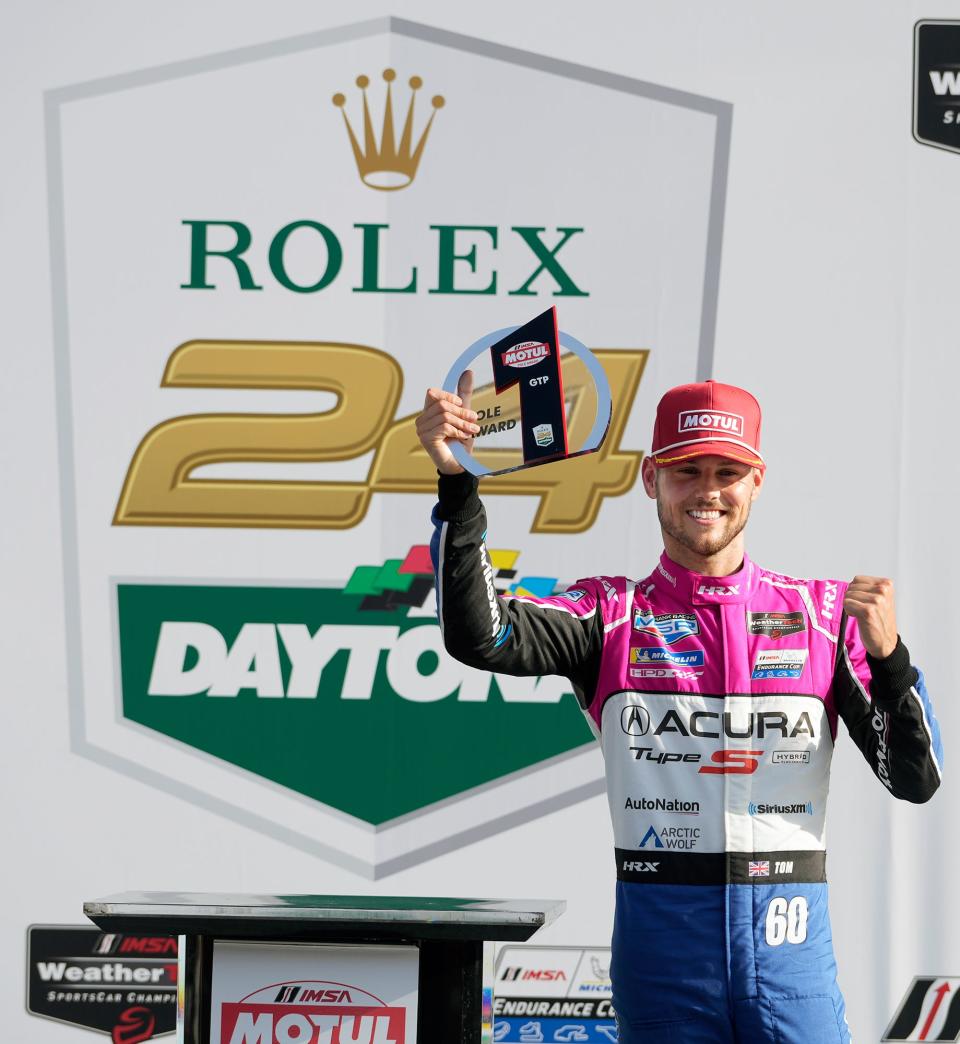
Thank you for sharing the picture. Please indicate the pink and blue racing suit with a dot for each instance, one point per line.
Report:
(715, 701)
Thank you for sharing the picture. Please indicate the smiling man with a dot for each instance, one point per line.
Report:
(714, 687)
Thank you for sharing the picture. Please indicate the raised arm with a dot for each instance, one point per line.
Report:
(562, 634)
(881, 695)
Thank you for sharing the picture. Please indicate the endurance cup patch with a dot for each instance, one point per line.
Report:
(779, 663)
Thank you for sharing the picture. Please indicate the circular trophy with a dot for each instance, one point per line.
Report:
(539, 393)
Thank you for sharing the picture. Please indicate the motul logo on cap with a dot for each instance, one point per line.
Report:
(711, 420)
(527, 354)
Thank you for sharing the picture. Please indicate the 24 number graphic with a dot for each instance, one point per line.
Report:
(159, 490)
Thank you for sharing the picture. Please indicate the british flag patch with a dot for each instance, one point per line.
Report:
(761, 868)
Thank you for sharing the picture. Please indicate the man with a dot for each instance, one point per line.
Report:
(714, 687)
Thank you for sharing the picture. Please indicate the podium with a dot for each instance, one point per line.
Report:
(327, 969)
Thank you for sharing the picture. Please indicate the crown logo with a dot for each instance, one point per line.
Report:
(389, 166)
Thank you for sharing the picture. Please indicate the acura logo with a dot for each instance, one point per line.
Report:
(634, 720)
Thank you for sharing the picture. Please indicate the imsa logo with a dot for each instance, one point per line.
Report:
(311, 1013)
(929, 1011)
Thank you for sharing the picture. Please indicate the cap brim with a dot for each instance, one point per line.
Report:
(741, 454)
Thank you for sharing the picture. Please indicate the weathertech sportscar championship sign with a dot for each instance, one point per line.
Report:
(121, 985)
(264, 258)
(313, 994)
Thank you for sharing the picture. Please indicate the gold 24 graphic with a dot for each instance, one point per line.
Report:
(158, 489)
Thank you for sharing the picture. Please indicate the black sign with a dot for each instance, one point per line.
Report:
(775, 625)
(929, 1002)
(936, 84)
(122, 985)
(530, 357)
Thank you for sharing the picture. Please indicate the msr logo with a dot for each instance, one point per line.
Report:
(733, 762)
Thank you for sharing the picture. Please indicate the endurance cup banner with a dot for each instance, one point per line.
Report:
(262, 259)
(555, 993)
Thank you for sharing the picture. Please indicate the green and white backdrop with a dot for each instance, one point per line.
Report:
(223, 671)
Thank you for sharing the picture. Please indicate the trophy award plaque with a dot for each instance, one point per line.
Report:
(539, 393)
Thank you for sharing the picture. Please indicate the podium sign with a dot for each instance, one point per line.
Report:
(540, 395)
(313, 993)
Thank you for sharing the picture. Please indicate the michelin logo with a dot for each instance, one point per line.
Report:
(661, 656)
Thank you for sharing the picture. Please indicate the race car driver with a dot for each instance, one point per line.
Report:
(714, 687)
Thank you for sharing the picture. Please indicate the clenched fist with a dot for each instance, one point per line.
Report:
(869, 600)
(446, 418)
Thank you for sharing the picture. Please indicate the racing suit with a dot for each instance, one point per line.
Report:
(715, 701)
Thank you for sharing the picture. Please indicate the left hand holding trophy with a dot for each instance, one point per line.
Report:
(447, 416)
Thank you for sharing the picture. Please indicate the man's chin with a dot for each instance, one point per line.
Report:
(707, 544)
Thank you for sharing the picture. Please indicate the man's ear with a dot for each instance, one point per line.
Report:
(648, 473)
(758, 476)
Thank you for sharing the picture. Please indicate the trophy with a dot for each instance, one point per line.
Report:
(540, 396)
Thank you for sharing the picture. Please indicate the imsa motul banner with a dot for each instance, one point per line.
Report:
(266, 257)
(306, 993)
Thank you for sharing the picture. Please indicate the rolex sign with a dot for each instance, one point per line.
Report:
(268, 255)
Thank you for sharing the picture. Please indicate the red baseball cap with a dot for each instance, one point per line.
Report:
(707, 419)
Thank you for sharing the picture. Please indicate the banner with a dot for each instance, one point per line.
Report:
(266, 258)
